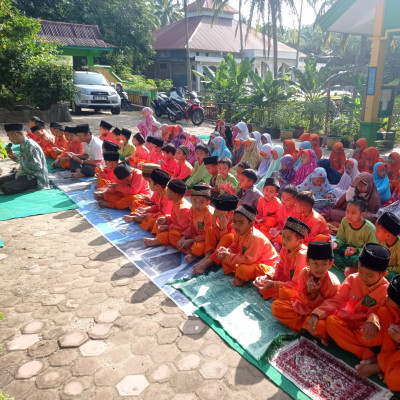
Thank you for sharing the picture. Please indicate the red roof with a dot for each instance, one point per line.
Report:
(223, 36)
(208, 5)
(69, 34)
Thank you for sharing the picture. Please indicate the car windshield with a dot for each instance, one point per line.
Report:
(90, 79)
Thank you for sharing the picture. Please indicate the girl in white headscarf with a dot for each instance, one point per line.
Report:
(266, 155)
(257, 135)
(276, 155)
(266, 139)
(240, 131)
(350, 172)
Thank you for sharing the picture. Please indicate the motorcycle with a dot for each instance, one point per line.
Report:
(126, 105)
(160, 104)
(180, 109)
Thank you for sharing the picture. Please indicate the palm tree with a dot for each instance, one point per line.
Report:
(167, 11)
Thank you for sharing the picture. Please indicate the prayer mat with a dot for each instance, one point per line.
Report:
(49, 161)
(322, 376)
(162, 265)
(241, 312)
(1, 242)
(62, 179)
(34, 203)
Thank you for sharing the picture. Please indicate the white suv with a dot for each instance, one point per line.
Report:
(94, 91)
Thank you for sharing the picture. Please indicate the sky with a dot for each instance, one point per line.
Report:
(288, 19)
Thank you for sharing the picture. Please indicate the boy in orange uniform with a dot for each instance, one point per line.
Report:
(121, 193)
(293, 258)
(105, 175)
(161, 206)
(109, 146)
(304, 209)
(168, 163)
(169, 228)
(350, 317)
(60, 142)
(220, 233)
(193, 238)
(155, 145)
(142, 154)
(315, 285)
(251, 254)
(268, 207)
(105, 132)
(33, 121)
(45, 140)
(388, 360)
(183, 169)
(75, 146)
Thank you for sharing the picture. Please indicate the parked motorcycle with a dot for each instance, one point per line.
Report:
(160, 104)
(126, 105)
(181, 109)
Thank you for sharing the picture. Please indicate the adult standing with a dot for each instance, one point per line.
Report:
(32, 173)
(82, 165)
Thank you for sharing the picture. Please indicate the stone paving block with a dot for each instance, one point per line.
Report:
(185, 396)
(43, 395)
(132, 385)
(167, 335)
(93, 348)
(170, 321)
(165, 353)
(33, 327)
(63, 357)
(121, 282)
(53, 333)
(52, 378)
(52, 300)
(186, 381)
(142, 345)
(79, 293)
(23, 342)
(31, 368)
(108, 376)
(107, 317)
(190, 343)
(138, 364)
(146, 328)
(73, 388)
(192, 326)
(85, 366)
(104, 393)
(6, 333)
(188, 362)
(212, 390)
(19, 389)
(96, 298)
(158, 391)
(73, 339)
(25, 307)
(99, 331)
(43, 349)
(162, 373)
(214, 350)
(3, 256)
(213, 370)
(88, 311)
(12, 360)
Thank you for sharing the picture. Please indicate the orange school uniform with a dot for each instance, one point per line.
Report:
(287, 270)
(129, 194)
(142, 156)
(217, 237)
(347, 312)
(104, 177)
(319, 227)
(108, 136)
(72, 147)
(199, 222)
(251, 255)
(169, 166)
(162, 207)
(267, 210)
(46, 142)
(183, 170)
(59, 142)
(178, 222)
(295, 305)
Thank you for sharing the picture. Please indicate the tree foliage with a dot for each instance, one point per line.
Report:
(167, 11)
(126, 24)
(28, 68)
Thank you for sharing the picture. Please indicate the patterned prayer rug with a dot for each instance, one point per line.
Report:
(322, 376)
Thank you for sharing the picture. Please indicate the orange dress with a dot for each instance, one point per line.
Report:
(251, 255)
(217, 237)
(267, 210)
(162, 207)
(183, 170)
(291, 149)
(287, 271)
(142, 156)
(104, 177)
(169, 166)
(347, 312)
(108, 136)
(361, 157)
(178, 222)
(373, 157)
(394, 171)
(295, 305)
(199, 222)
(72, 147)
(319, 227)
(59, 142)
(338, 160)
(46, 142)
(129, 194)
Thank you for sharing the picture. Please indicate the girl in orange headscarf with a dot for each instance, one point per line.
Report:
(371, 158)
(359, 155)
(393, 169)
(305, 137)
(290, 148)
(338, 157)
(314, 139)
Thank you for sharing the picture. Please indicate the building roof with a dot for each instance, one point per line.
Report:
(69, 34)
(223, 36)
(208, 5)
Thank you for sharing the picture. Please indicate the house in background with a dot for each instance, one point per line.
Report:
(208, 43)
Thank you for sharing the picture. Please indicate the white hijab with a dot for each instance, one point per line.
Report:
(346, 179)
(265, 163)
(257, 136)
(268, 137)
(244, 132)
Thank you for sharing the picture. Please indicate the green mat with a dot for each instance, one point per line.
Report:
(241, 311)
(49, 161)
(34, 203)
(1, 242)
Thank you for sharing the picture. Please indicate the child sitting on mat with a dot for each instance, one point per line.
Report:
(353, 233)
(248, 193)
(292, 260)
(220, 233)
(350, 317)
(169, 228)
(315, 285)
(105, 174)
(251, 254)
(183, 169)
(168, 163)
(192, 241)
(74, 146)
(226, 182)
(199, 172)
(142, 154)
(126, 149)
(154, 146)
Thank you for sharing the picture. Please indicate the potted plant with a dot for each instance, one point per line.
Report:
(346, 140)
(337, 127)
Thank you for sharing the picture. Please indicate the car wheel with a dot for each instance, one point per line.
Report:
(75, 109)
(116, 110)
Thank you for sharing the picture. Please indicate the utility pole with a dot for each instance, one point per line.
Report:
(188, 68)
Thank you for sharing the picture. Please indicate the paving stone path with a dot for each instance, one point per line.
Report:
(81, 322)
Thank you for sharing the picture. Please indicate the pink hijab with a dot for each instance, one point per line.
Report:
(305, 169)
(145, 126)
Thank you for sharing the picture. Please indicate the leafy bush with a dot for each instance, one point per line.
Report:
(3, 155)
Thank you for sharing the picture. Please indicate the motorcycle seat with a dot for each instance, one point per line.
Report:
(182, 102)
